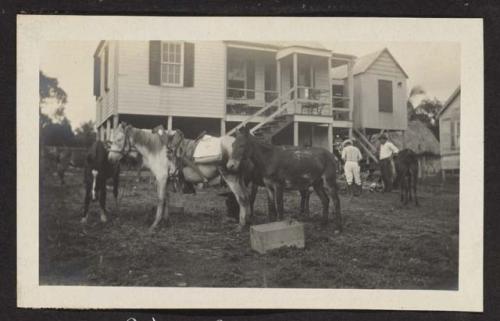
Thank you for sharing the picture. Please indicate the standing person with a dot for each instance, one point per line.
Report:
(351, 157)
(386, 153)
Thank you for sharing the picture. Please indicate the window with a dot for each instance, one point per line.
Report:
(241, 79)
(385, 96)
(172, 63)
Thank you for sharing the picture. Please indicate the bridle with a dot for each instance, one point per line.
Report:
(126, 148)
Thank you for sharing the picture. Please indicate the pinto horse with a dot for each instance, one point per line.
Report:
(295, 168)
(183, 150)
(97, 170)
(127, 140)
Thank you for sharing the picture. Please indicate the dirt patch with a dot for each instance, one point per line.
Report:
(384, 245)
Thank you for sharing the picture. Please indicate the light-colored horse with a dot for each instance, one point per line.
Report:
(160, 158)
(127, 140)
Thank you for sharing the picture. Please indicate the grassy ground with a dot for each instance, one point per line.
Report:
(384, 245)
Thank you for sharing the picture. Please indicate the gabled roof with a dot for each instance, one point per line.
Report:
(364, 63)
(277, 45)
(449, 101)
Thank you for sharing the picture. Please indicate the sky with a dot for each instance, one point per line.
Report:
(431, 65)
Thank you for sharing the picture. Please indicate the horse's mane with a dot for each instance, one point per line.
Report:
(145, 138)
(261, 142)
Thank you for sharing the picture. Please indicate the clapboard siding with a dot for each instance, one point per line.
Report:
(370, 116)
(107, 102)
(384, 65)
(322, 75)
(204, 99)
(450, 159)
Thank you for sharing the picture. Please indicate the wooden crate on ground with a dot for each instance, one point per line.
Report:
(265, 237)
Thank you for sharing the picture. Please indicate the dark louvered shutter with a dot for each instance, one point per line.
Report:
(188, 64)
(250, 79)
(97, 76)
(385, 96)
(106, 68)
(155, 63)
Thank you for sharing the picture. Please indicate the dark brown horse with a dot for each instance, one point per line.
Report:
(98, 169)
(406, 164)
(294, 168)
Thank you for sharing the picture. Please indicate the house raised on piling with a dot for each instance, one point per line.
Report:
(285, 91)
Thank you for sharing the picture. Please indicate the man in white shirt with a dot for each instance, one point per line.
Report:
(386, 153)
(351, 157)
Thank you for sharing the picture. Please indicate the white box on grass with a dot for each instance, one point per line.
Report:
(265, 237)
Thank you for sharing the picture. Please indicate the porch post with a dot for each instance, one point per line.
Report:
(295, 133)
(350, 89)
(108, 129)
(295, 80)
(101, 132)
(116, 120)
(169, 122)
(330, 94)
(278, 81)
(222, 127)
(330, 138)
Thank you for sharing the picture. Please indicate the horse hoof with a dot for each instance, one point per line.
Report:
(104, 219)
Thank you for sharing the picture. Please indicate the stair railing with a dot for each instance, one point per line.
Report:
(366, 145)
(263, 110)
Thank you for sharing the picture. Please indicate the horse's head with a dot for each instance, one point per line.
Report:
(241, 149)
(120, 143)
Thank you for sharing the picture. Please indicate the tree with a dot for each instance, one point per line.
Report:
(426, 112)
(55, 128)
(85, 134)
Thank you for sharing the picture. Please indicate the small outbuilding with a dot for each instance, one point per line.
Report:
(449, 134)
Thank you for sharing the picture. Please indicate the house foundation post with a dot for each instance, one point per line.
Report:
(330, 138)
(295, 133)
(222, 127)
(169, 122)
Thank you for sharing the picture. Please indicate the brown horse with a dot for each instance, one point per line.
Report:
(294, 168)
(407, 175)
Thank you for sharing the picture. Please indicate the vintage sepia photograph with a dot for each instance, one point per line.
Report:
(238, 163)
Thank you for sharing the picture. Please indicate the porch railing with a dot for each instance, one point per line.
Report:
(242, 101)
(340, 108)
(312, 101)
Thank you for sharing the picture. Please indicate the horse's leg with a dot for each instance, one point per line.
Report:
(161, 183)
(271, 209)
(236, 186)
(414, 185)
(116, 182)
(401, 188)
(102, 200)
(278, 200)
(325, 201)
(333, 191)
(304, 202)
(253, 194)
(85, 215)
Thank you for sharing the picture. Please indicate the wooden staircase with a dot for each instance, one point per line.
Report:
(367, 147)
(278, 120)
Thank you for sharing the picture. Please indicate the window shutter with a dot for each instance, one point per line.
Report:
(385, 96)
(155, 63)
(188, 64)
(250, 79)
(106, 68)
(97, 76)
